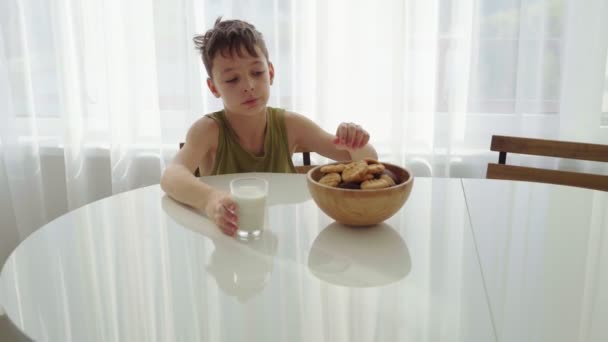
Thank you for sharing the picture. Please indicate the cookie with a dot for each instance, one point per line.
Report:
(331, 179)
(333, 168)
(388, 179)
(375, 184)
(391, 174)
(355, 171)
(375, 168)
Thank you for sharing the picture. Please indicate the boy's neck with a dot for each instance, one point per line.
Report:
(250, 129)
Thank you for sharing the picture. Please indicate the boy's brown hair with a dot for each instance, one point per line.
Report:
(229, 37)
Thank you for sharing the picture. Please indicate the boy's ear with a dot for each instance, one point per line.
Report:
(271, 72)
(212, 87)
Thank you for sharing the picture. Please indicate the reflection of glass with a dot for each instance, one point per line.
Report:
(242, 268)
(359, 257)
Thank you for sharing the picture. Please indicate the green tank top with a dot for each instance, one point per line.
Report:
(230, 157)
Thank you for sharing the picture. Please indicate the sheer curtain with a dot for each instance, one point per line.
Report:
(95, 95)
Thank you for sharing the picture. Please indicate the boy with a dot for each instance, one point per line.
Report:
(247, 136)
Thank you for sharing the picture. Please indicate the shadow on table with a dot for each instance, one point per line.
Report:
(241, 268)
(359, 256)
(9, 332)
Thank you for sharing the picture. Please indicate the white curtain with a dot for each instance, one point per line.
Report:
(96, 94)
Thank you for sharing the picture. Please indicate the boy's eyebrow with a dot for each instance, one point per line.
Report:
(252, 63)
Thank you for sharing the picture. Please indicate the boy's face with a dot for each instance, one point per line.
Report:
(243, 83)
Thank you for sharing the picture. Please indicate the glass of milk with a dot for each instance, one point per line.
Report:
(250, 195)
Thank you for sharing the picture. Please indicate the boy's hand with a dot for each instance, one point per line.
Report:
(350, 136)
(222, 210)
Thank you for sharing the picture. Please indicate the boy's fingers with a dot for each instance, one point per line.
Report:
(228, 215)
(228, 203)
(230, 209)
(228, 231)
(365, 140)
(225, 217)
(338, 130)
(227, 226)
(352, 134)
(358, 139)
(358, 135)
(231, 217)
(341, 133)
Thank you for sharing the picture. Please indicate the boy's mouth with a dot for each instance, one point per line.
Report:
(250, 101)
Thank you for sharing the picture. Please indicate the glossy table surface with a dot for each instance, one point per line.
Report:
(464, 260)
(544, 256)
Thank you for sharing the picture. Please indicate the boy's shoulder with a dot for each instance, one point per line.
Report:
(300, 127)
(205, 123)
(203, 129)
(291, 116)
(294, 119)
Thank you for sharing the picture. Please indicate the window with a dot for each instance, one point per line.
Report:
(517, 57)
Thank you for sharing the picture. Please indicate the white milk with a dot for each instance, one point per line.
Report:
(251, 202)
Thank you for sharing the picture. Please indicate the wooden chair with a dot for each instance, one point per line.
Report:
(305, 161)
(548, 148)
(299, 169)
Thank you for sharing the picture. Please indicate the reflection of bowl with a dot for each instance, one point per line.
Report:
(357, 207)
(359, 257)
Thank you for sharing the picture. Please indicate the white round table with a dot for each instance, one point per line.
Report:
(138, 266)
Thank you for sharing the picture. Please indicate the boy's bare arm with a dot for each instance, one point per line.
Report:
(179, 182)
(307, 134)
(178, 179)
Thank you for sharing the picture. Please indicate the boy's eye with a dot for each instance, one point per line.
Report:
(232, 80)
(258, 73)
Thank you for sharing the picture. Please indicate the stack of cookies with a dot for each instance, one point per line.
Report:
(363, 174)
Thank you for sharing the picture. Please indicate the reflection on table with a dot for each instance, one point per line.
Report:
(359, 257)
(544, 255)
(140, 267)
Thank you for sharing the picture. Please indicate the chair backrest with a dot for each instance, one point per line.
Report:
(305, 161)
(299, 168)
(548, 148)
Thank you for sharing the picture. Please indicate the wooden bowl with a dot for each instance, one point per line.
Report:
(356, 207)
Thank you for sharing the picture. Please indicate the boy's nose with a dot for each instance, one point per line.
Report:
(249, 85)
